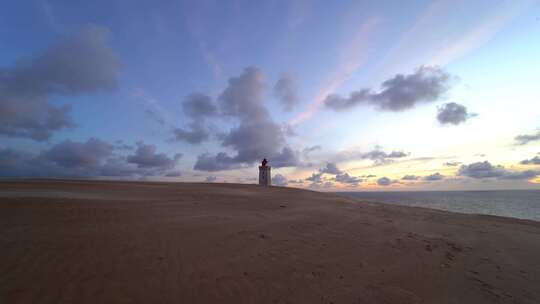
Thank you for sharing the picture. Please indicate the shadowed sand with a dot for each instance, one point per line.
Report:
(120, 242)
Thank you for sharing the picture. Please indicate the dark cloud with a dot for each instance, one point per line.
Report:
(79, 64)
(90, 159)
(279, 180)
(434, 177)
(527, 174)
(254, 139)
(199, 106)
(146, 157)
(243, 97)
(453, 113)
(256, 136)
(400, 93)
(174, 174)
(452, 164)
(69, 154)
(286, 158)
(315, 178)
(119, 167)
(385, 181)
(219, 162)
(381, 157)
(345, 178)
(330, 168)
(210, 179)
(533, 161)
(339, 175)
(410, 177)
(485, 169)
(196, 133)
(286, 90)
(15, 163)
(527, 138)
(481, 170)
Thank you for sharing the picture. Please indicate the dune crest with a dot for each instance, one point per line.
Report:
(127, 242)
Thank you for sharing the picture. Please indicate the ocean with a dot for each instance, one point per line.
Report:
(522, 204)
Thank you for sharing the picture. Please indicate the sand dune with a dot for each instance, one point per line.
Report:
(122, 242)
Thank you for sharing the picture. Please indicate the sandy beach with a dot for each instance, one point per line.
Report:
(127, 242)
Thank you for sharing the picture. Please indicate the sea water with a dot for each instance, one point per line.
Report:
(523, 204)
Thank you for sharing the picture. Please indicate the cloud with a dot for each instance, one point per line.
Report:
(481, 170)
(452, 164)
(533, 161)
(345, 178)
(326, 185)
(527, 138)
(210, 179)
(219, 162)
(288, 130)
(154, 115)
(315, 178)
(381, 157)
(174, 174)
(69, 154)
(254, 140)
(330, 168)
(527, 174)
(120, 145)
(378, 156)
(243, 97)
(370, 175)
(339, 175)
(286, 90)
(453, 113)
(296, 181)
(93, 158)
(195, 134)
(256, 136)
(485, 169)
(308, 150)
(117, 166)
(198, 107)
(385, 181)
(279, 180)
(79, 64)
(15, 163)
(146, 157)
(434, 177)
(286, 158)
(410, 177)
(400, 93)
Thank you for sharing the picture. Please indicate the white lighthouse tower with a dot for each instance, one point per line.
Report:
(265, 178)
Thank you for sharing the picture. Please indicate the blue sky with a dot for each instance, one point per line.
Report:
(444, 93)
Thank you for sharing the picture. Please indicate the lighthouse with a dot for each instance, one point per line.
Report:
(265, 178)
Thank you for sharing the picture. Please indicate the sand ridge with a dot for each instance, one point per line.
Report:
(127, 242)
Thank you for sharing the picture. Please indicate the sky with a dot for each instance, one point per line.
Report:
(337, 95)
